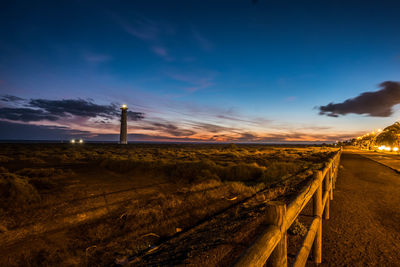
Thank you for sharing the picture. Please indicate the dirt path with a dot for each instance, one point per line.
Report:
(364, 228)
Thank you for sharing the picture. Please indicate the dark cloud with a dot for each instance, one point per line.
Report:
(169, 128)
(45, 109)
(77, 107)
(26, 114)
(144, 138)
(211, 127)
(238, 119)
(135, 116)
(248, 137)
(172, 129)
(10, 98)
(375, 104)
(18, 131)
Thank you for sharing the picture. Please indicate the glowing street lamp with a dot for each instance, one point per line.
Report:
(73, 141)
(80, 141)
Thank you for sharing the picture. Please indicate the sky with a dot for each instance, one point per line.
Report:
(213, 71)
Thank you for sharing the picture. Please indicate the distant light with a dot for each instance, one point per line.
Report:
(124, 106)
(73, 141)
(379, 130)
(80, 141)
(373, 132)
(388, 148)
(395, 149)
(381, 147)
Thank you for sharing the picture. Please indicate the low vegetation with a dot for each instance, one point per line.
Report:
(108, 201)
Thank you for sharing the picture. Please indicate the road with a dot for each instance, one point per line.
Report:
(391, 160)
(364, 228)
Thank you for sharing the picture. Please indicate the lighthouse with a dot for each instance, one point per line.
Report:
(124, 129)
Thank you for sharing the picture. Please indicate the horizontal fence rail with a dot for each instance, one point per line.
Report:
(271, 245)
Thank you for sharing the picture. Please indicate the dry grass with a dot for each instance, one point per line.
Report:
(201, 181)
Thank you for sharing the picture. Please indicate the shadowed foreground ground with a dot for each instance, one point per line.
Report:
(364, 228)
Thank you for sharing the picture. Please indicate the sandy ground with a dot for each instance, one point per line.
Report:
(364, 228)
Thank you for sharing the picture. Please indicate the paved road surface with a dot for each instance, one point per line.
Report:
(364, 228)
(391, 160)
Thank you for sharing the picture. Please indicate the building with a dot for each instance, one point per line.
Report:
(123, 137)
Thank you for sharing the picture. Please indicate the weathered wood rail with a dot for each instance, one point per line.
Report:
(271, 245)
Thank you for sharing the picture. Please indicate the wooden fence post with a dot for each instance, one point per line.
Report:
(317, 212)
(276, 215)
(331, 180)
(327, 185)
(335, 171)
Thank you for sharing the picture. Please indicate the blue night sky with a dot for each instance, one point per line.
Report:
(199, 70)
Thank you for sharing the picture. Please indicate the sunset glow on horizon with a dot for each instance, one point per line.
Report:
(198, 71)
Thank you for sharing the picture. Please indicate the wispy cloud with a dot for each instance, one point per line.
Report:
(142, 28)
(239, 119)
(96, 58)
(162, 52)
(290, 98)
(194, 82)
(151, 32)
(166, 128)
(211, 128)
(202, 42)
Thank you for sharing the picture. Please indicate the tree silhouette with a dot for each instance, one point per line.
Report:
(389, 135)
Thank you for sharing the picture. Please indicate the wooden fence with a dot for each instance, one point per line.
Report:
(271, 245)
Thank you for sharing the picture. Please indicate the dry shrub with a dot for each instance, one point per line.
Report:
(38, 257)
(190, 172)
(16, 192)
(31, 160)
(122, 165)
(5, 158)
(63, 158)
(40, 172)
(297, 228)
(43, 178)
(281, 170)
(243, 172)
(207, 184)
(42, 183)
(242, 189)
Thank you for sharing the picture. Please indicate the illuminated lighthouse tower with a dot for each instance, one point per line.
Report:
(123, 135)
